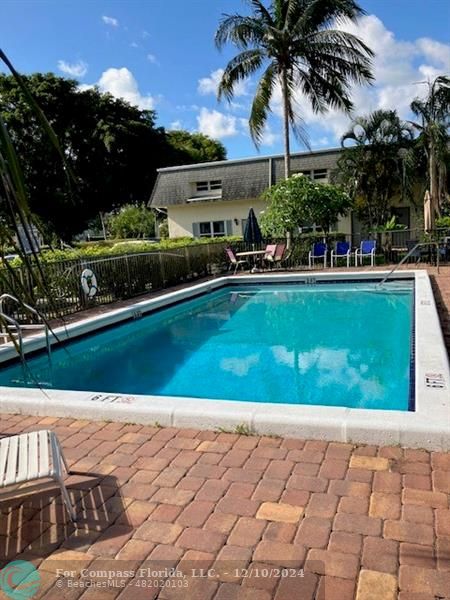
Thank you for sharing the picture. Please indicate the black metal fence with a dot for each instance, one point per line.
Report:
(129, 275)
(118, 278)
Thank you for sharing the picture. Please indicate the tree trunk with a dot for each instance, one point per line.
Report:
(287, 151)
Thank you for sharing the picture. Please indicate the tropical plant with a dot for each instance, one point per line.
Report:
(378, 165)
(132, 221)
(297, 201)
(391, 225)
(433, 113)
(197, 146)
(303, 52)
(443, 223)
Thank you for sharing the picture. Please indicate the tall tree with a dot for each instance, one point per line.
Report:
(197, 146)
(377, 165)
(114, 149)
(433, 113)
(299, 47)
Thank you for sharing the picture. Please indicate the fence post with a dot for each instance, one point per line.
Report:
(188, 262)
(128, 275)
(161, 266)
(208, 260)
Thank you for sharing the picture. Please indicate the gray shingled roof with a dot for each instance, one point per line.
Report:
(242, 179)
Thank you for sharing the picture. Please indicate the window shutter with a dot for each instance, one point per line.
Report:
(229, 227)
(196, 230)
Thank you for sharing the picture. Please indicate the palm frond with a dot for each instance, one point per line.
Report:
(240, 31)
(261, 103)
(238, 69)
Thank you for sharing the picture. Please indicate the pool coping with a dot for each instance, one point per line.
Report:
(427, 427)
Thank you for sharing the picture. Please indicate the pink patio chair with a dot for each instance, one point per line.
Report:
(279, 255)
(233, 260)
(269, 255)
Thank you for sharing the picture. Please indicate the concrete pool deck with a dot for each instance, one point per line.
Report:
(235, 517)
(427, 427)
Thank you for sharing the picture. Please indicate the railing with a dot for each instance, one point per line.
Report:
(408, 255)
(6, 335)
(27, 308)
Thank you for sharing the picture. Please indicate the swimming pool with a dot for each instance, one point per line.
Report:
(323, 355)
(341, 344)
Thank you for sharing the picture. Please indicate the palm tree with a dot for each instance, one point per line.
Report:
(434, 135)
(377, 164)
(300, 48)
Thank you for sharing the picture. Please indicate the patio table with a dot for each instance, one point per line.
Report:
(253, 255)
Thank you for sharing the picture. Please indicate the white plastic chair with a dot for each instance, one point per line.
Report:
(29, 457)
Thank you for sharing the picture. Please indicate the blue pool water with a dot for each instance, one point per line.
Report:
(329, 344)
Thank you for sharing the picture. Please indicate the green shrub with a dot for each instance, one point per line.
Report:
(443, 222)
(105, 248)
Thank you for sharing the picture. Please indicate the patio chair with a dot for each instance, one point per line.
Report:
(341, 250)
(367, 248)
(319, 251)
(269, 256)
(416, 255)
(233, 260)
(30, 457)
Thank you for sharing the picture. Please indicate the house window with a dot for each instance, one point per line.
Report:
(208, 186)
(210, 229)
(320, 174)
(202, 186)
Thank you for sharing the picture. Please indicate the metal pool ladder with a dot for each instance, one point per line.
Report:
(405, 258)
(15, 325)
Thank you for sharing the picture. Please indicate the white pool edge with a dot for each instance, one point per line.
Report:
(428, 427)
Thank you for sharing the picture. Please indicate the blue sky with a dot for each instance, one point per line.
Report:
(161, 55)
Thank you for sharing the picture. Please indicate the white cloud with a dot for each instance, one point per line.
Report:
(239, 366)
(121, 83)
(152, 58)
(77, 69)
(269, 138)
(83, 87)
(209, 85)
(435, 51)
(134, 45)
(111, 21)
(176, 125)
(217, 124)
(399, 67)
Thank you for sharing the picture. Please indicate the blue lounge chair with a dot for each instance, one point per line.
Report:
(367, 248)
(319, 251)
(341, 250)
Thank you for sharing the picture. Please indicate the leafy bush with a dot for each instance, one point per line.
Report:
(443, 222)
(105, 248)
(132, 221)
(298, 201)
(163, 229)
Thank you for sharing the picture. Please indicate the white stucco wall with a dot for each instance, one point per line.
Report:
(181, 217)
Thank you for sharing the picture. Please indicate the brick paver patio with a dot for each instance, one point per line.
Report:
(235, 517)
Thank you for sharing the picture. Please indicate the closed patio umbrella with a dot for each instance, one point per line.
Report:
(252, 233)
(428, 213)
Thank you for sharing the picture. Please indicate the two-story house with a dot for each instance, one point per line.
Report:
(213, 199)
